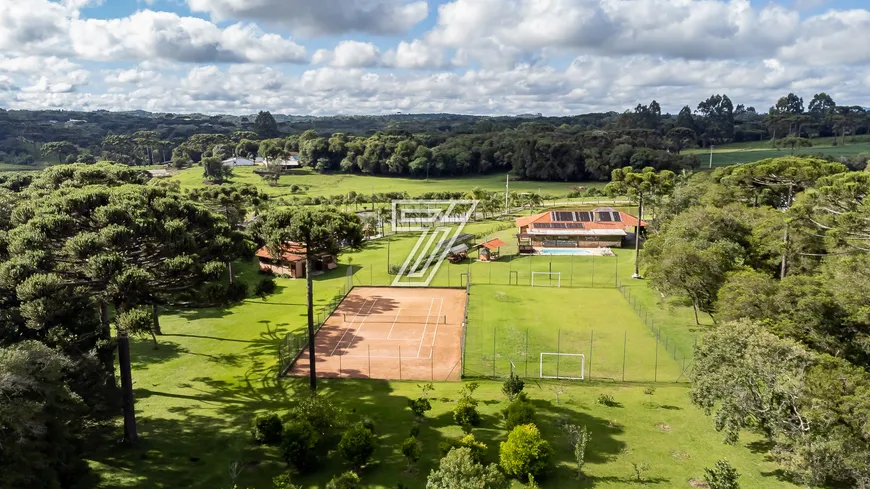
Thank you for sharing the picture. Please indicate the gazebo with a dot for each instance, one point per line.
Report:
(490, 251)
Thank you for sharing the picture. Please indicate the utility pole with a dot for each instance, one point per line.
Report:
(711, 156)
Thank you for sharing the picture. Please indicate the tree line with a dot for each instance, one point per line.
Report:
(775, 252)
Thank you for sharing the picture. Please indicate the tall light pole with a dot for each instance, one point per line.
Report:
(507, 189)
(711, 156)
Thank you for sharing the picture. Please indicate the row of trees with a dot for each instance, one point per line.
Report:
(775, 252)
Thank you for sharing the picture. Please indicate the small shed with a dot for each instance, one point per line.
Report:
(491, 250)
(291, 261)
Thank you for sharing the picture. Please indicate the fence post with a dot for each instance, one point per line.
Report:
(400, 362)
(624, 345)
(558, 351)
(656, 371)
(591, 340)
(370, 360)
(432, 364)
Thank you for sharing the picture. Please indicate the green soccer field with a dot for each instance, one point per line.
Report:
(517, 324)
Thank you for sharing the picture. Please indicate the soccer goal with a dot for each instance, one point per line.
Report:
(547, 279)
(568, 366)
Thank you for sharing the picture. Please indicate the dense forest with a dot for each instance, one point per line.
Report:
(776, 253)
(583, 147)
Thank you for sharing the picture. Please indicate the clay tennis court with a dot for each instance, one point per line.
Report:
(391, 333)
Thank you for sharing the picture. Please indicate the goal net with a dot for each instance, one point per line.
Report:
(568, 366)
(547, 279)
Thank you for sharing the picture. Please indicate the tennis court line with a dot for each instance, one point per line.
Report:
(398, 313)
(432, 346)
(351, 324)
(426, 326)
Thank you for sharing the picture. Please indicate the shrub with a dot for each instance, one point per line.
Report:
(459, 470)
(518, 413)
(283, 482)
(267, 428)
(347, 480)
(237, 291)
(411, 450)
(299, 444)
(640, 469)
(320, 412)
(607, 400)
(419, 406)
(465, 414)
(265, 287)
(357, 445)
(722, 476)
(368, 423)
(415, 430)
(525, 453)
(578, 438)
(512, 386)
(476, 448)
(295, 189)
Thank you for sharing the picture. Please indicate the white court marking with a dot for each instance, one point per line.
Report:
(351, 324)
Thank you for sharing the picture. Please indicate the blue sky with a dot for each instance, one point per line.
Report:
(470, 56)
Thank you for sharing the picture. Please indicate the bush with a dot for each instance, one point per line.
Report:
(368, 423)
(415, 430)
(320, 412)
(267, 428)
(412, 449)
(299, 444)
(512, 386)
(607, 400)
(518, 413)
(283, 482)
(578, 438)
(347, 480)
(237, 291)
(419, 406)
(476, 448)
(265, 287)
(525, 453)
(357, 445)
(465, 414)
(722, 476)
(459, 470)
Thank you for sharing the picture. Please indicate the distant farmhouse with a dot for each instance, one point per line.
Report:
(598, 228)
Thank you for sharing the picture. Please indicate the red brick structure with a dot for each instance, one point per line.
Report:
(292, 261)
(603, 227)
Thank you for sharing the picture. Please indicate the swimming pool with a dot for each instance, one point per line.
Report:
(570, 251)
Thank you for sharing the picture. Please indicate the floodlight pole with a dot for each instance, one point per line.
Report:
(507, 189)
(711, 155)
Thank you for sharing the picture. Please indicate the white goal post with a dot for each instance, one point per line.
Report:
(558, 276)
(571, 375)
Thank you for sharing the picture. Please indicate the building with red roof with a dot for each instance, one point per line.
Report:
(291, 261)
(599, 228)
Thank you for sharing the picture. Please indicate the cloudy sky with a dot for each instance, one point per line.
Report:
(469, 56)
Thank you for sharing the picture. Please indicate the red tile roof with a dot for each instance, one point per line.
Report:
(628, 221)
(493, 244)
(290, 252)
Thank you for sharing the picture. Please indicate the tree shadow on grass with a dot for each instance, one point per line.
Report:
(144, 353)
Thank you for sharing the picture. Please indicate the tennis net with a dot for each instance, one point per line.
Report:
(385, 318)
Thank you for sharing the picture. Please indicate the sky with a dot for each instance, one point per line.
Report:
(485, 57)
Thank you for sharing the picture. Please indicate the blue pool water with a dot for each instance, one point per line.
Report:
(566, 251)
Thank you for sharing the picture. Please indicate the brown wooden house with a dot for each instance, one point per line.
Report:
(291, 262)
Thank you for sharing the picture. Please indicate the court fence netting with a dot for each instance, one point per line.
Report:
(295, 342)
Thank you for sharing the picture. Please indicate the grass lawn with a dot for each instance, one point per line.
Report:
(314, 184)
(748, 152)
(510, 323)
(215, 368)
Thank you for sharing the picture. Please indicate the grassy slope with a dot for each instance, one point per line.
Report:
(215, 368)
(747, 152)
(315, 184)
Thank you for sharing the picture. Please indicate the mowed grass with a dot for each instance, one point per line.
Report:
(215, 368)
(515, 323)
(313, 184)
(748, 152)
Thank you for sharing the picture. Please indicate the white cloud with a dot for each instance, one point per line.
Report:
(832, 38)
(6, 84)
(416, 54)
(164, 35)
(131, 76)
(322, 17)
(349, 54)
(36, 64)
